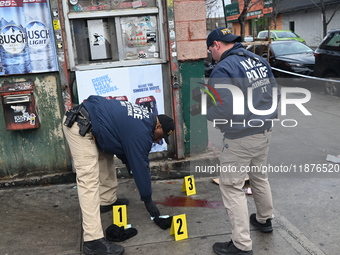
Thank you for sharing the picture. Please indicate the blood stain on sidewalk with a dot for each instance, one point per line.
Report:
(175, 201)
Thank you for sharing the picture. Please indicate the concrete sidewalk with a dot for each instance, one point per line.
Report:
(46, 221)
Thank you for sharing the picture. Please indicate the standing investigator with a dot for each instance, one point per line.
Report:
(104, 128)
(247, 127)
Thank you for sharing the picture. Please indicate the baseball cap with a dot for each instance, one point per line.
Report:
(222, 34)
(168, 126)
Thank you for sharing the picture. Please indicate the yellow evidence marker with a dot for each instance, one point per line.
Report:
(189, 185)
(179, 227)
(119, 215)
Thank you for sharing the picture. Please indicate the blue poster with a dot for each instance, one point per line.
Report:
(134, 84)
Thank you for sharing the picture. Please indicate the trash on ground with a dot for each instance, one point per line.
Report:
(162, 216)
(334, 159)
(216, 181)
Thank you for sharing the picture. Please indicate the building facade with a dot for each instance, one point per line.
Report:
(305, 19)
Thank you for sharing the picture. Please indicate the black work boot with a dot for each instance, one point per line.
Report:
(265, 227)
(119, 201)
(229, 248)
(102, 247)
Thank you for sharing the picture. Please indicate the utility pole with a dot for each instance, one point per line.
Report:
(225, 14)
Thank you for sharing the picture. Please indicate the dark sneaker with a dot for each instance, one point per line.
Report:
(265, 227)
(119, 201)
(229, 248)
(102, 247)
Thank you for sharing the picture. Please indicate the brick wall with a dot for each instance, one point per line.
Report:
(278, 23)
(190, 25)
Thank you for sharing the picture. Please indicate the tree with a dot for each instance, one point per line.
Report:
(212, 6)
(275, 11)
(215, 14)
(322, 7)
(247, 5)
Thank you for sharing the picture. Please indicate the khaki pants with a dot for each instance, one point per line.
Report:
(239, 154)
(96, 179)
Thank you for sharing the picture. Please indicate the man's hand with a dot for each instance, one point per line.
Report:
(152, 209)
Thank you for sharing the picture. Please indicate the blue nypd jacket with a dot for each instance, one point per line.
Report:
(126, 130)
(248, 106)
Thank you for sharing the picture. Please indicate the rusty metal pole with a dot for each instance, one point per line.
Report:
(176, 86)
(59, 30)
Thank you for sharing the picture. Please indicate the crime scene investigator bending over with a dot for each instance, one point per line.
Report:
(103, 128)
(246, 136)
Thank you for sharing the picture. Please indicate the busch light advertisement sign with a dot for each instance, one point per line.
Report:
(26, 37)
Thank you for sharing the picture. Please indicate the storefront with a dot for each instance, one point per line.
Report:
(257, 19)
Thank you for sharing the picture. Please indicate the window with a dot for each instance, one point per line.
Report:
(332, 42)
(286, 34)
(272, 35)
(112, 33)
(262, 35)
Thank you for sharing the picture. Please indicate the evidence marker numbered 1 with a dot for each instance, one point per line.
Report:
(119, 215)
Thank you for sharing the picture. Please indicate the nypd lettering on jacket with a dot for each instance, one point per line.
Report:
(257, 73)
(249, 86)
(135, 111)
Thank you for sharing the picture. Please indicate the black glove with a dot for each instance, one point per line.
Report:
(115, 233)
(163, 223)
(152, 209)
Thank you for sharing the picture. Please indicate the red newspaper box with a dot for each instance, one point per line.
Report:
(18, 104)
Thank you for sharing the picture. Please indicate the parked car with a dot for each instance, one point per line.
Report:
(277, 35)
(327, 61)
(292, 56)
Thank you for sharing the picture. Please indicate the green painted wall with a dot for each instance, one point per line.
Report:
(41, 151)
(195, 127)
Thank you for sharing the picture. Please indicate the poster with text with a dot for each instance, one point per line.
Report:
(26, 38)
(141, 85)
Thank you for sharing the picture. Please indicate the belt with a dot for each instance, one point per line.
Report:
(83, 119)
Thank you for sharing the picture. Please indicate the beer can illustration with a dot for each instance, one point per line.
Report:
(13, 39)
(40, 36)
(121, 98)
(149, 103)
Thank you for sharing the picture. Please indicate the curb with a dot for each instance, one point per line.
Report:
(161, 169)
